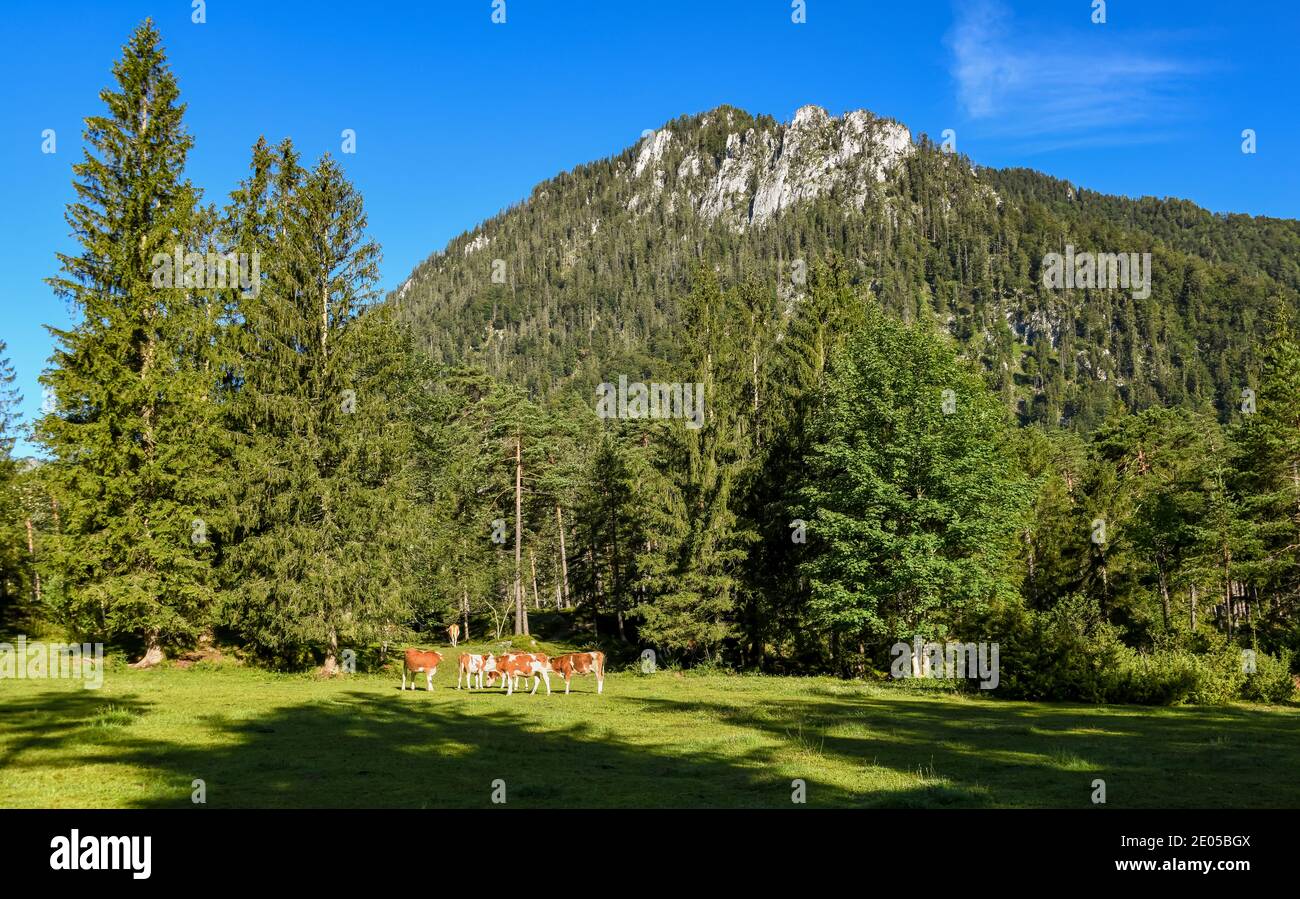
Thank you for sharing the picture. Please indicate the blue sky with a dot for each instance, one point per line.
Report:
(457, 117)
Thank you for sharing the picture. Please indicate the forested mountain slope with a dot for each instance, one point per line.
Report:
(589, 270)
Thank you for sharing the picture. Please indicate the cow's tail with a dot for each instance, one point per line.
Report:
(600, 664)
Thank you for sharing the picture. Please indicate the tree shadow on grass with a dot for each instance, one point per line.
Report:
(988, 751)
(55, 720)
(359, 748)
(362, 749)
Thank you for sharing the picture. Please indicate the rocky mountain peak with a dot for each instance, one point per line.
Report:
(763, 168)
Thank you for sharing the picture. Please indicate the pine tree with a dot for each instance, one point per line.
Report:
(1269, 475)
(696, 537)
(133, 431)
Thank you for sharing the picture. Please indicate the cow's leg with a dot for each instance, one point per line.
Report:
(428, 678)
(600, 684)
(534, 689)
(546, 677)
(403, 677)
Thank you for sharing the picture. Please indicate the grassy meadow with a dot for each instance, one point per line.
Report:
(262, 739)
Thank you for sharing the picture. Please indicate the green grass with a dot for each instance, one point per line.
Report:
(260, 739)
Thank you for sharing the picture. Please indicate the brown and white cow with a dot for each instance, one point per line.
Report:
(417, 660)
(513, 665)
(474, 666)
(580, 663)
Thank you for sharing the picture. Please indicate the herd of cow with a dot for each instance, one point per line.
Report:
(509, 667)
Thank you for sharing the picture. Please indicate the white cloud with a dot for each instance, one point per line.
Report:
(1092, 84)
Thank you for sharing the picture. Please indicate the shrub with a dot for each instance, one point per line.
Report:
(1271, 680)
(1072, 653)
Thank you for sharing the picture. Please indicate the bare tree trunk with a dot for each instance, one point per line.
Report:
(616, 584)
(564, 559)
(1250, 613)
(1227, 587)
(31, 551)
(521, 620)
(532, 563)
(1192, 606)
(595, 599)
(464, 610)
(1164, 592)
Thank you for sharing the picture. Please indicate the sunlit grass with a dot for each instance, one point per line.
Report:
(257, 738)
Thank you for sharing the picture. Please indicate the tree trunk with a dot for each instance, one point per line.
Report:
(31, 551)
(615, 583)
(564, 559)
(153, 652)
(1192, 606)
(532, 563)
(1164, 592)
(1227, 588)
(331, 666)
(595, 599)
(464, 611)
(521, 613)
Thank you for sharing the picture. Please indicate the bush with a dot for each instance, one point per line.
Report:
(1070, 653)
(1271, 680)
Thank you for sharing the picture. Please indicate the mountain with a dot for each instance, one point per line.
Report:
(582, 281)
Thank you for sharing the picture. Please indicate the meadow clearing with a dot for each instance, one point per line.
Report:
(668, 739)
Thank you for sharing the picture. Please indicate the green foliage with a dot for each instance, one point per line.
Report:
(912, 499)
(15, 561)
(1072, 653)
(1272, 680)
(323, 465)
(366, 473)
(133, 435)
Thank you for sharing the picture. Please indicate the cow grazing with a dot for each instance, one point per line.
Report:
(513, 665)
(417, 660)
(474, 666)
(580, 663)
(453, 633)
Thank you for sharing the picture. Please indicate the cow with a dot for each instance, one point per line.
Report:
(513, 665)
(453, 633)
(473, 666)
(418, 660)
(505, 669)
(580, 663)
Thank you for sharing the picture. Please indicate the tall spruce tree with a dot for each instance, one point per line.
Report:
(133, 430)
(320, 418)
(696, 539)
(1269, 482)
